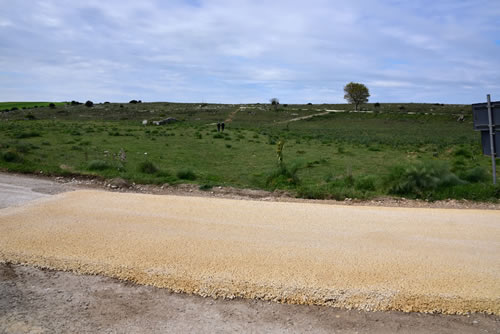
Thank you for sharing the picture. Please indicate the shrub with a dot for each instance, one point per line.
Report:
(23, 147)
(206, 187)
(75, 103)
(283, 177)
(98, 165)
(12, 156)
(420, 179)
(186, 174)
(28, 134)
(147, 167)
(366, 183)
(476, 174)
(30, 117)
(133, 101)
(52, 105)
(462, 152)
(471, 191)
(89, 104)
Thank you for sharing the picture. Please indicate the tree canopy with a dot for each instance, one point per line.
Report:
(356, 93)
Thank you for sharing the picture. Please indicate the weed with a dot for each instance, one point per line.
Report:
(186, 174)
(12, 156)
(147, 167)
(420, 179)
(98, 165)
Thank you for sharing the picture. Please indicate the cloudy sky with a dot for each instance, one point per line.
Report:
(235, 51)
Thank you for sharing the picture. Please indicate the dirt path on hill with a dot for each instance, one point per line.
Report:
(229, 118)
(310, 116)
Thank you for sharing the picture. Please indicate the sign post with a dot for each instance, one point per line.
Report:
(487, 120)
(492, 142)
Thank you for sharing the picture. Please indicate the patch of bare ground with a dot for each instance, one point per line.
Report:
(36, 300)
(262, 195)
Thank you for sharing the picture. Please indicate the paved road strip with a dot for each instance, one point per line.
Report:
(429, 260)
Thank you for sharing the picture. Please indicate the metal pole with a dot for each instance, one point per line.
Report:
(492, 142)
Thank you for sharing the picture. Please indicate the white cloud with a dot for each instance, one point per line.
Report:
(232, 50)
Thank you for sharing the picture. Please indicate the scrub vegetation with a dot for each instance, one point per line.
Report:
(402, 150)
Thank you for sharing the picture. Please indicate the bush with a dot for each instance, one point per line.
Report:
(462, 152)
(28, 134)
(98, 165)
(147, 167)
(366, 183)
(420, 179)
(206, 187)
(30, 117)
(186, 174)
(12, 156)
(75, 103)
(133, 101)
(474, 175)
(283, 177)
(52, 105)
(89, 104)
(471, 191)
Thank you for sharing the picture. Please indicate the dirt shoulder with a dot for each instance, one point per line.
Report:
(58, 184)
(45, 301)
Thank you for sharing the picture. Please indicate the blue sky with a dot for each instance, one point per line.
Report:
(232, 51)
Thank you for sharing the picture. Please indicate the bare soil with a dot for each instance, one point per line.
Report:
(36, 300)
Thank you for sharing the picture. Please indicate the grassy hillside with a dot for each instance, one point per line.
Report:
(7, 106)
(420, 150)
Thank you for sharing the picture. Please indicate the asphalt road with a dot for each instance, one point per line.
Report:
(74, 231)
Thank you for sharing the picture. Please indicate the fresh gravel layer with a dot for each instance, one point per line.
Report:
(371, 258)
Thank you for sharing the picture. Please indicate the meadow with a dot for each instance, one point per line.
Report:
(405, 150)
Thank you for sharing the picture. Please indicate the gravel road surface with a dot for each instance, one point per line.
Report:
(41, 301)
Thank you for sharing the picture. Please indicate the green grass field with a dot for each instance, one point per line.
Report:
(6, 106)
(418, 151)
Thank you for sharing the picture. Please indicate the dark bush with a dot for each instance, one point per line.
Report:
(420, 179)
(283, 177)
(133, 101)
(476, 174)
(27, 134)
(30, 117)
(11, 156)
(75, 103)
(89, 104)
(366, 183)
(377, 105)
(98, 165)
(186, 174)
(52, 105)
(462, 152)
(14, 108)
(147, 167)
(309, 104)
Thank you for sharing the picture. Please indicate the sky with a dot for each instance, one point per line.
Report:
(231, 51)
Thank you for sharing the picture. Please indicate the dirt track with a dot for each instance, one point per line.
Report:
(427, 260)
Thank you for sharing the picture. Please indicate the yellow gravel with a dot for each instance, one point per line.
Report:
(372, 258)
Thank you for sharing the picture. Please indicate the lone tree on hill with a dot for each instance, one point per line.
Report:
(356, 93)
(275, 102)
